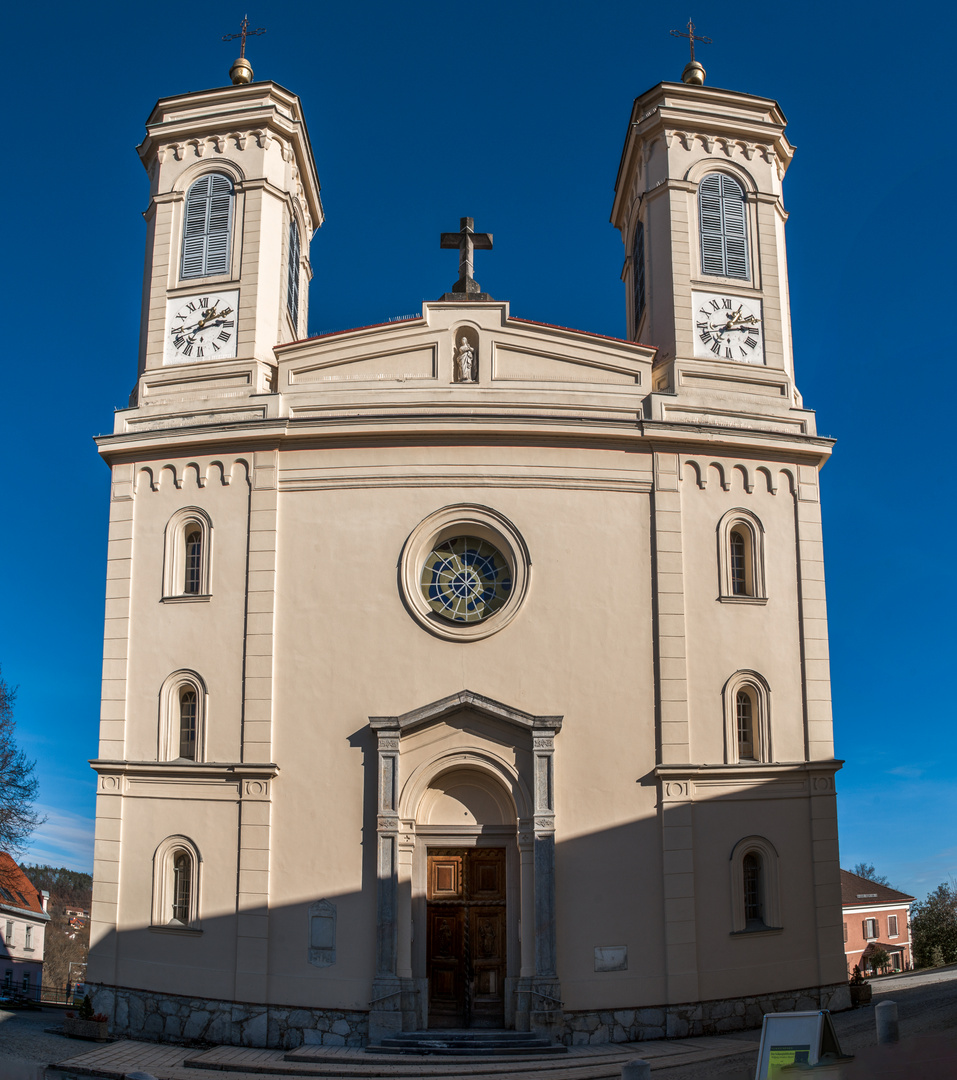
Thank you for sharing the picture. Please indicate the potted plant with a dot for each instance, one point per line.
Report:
(861, 990)
(85, 1023)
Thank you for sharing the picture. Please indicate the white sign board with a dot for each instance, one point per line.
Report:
(794, 1038)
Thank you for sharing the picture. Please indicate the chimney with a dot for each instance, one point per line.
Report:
(44, 898)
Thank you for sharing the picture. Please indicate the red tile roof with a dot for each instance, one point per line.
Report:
(859, 892)
(16, 889)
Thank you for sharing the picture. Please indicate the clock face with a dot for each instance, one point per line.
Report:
(466, 579)
(728, 328)
(201, 327)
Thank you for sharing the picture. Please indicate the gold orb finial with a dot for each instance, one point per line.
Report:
(693, 74)
(241, 72)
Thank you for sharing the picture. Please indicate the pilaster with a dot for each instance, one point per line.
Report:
(669, 613)
(392, 1008)
(822, 806)
(252, 892)
(116, 628)
(678, 890)
(104, 911)
(539, 995)
(812, 606)
(260, 607)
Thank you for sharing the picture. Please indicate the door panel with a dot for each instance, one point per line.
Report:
(446, 966)
(466, 937)
(487, 939)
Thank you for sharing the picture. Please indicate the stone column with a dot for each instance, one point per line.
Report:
(540, 993)
(392, 1007)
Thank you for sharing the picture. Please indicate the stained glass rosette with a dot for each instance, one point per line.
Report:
(466, 579)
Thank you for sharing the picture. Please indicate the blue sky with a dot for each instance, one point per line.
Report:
(514, 114)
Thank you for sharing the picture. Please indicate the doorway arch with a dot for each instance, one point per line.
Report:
(465, 774)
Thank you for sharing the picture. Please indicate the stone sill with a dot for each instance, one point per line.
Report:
(187, 931)
(190, 598)
(761, 600)
(766, 931)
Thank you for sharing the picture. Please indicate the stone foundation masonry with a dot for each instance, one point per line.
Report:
(140, 1014)
(175, 1018)
(696, 1018)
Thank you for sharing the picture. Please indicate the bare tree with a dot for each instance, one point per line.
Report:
(18, 784)
(869, 872)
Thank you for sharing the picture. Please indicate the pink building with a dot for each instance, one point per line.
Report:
(875, 917)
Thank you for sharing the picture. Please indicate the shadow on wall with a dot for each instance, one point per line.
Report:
(710, 904)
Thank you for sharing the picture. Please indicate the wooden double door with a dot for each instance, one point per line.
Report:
(466, 937)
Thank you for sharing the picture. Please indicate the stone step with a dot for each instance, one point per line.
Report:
(461, 1043)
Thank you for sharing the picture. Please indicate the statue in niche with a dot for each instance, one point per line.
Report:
(464, 361)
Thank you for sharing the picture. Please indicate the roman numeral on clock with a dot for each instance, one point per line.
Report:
(223, 336)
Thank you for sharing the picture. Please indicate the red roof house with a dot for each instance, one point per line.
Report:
(875, 917)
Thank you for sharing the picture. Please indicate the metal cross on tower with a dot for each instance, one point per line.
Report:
(466, 239)
(692, 38)
(244, 32)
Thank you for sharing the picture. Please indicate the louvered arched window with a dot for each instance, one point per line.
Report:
(209, 218)
(292, 288)
(723, 222)
(638, 259)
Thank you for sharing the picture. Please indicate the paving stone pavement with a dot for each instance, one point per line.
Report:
(113, 1061)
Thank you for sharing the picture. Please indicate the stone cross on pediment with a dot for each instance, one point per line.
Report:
(466, 240)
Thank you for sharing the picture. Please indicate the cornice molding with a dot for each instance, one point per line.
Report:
(192, 770)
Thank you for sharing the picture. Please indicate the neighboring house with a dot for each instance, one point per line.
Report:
(875, 917)
(23, 920)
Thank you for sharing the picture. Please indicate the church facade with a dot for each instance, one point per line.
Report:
(464, 671)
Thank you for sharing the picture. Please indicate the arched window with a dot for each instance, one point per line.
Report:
(187, 723)
(723, 226)
(186, 569)
(292, 287)
(182, 718)
(747, 719)
(739, 551)
(207, 226)
(741, 557)
(755, 897)
(194, 560)
(753, 890)
(638, 270)
(176, 865)
(744, 711)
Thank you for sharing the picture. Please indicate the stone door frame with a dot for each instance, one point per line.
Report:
(397, 1003)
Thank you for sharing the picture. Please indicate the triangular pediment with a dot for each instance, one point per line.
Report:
(420, 353)
(441, 710)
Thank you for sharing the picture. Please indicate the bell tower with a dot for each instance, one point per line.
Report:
(234, 202)
(698, 202)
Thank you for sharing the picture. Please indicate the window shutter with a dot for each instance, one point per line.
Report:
(292, 287)
(712, 242)
(723, 227)
(735, 228)
(208, 222)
